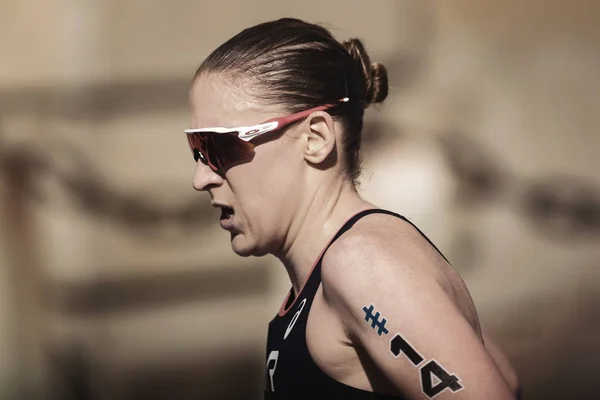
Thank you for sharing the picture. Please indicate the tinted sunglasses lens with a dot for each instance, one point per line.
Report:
(219, 150)
(198, 146)
(225, 150)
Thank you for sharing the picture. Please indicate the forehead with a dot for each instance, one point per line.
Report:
(218, 100)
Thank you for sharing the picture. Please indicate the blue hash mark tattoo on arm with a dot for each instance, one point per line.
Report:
(434, 378)
(376, 324)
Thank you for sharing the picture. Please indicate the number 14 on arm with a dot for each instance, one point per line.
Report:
(419, 329)
(434, 379)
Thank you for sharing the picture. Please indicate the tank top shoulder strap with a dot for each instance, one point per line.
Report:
(350, 223)
(418, 230)
(353, 220)
(314, 279)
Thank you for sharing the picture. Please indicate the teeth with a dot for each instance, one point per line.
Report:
(226, 212)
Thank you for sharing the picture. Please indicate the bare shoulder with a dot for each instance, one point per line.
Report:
(388, 255)
(381, 237)
(401, 302)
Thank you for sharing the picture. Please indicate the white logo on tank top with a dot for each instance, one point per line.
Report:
(294, 319)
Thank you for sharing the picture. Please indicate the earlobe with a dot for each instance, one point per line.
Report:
(320, 138)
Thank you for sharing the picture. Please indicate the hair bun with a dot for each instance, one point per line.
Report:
(375, 73)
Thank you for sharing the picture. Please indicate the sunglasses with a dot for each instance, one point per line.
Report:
(221, 148)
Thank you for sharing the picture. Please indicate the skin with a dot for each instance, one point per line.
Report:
(381, 260)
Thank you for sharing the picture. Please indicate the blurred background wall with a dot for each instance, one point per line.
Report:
(116, 281)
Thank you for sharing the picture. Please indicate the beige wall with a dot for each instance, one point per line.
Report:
(112, 288)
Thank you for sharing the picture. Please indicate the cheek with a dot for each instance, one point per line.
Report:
(280, 174)
(264, 189)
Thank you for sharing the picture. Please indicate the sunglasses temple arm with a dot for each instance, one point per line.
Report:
(290, 119)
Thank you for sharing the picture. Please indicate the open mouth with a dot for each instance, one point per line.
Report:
(226, 213)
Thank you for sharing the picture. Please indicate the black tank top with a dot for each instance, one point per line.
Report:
(291, 372)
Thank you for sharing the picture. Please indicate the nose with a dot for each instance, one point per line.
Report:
(205, 178)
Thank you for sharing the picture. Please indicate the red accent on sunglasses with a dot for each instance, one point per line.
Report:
(221, 148)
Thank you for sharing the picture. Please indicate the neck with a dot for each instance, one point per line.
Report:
(317, 221)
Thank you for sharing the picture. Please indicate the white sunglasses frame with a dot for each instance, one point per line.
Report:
(247, 133)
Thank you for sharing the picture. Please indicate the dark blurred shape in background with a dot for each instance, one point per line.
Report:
(116, 281)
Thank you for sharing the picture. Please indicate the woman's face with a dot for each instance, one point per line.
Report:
(258, 197)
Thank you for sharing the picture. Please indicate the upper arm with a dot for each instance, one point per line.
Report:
(408, 326)
(508, 373)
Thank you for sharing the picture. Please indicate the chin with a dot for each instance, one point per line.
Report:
(244, 247)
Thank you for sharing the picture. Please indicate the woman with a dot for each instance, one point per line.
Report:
(375, 311)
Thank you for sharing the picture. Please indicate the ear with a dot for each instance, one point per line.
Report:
(320, 137)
